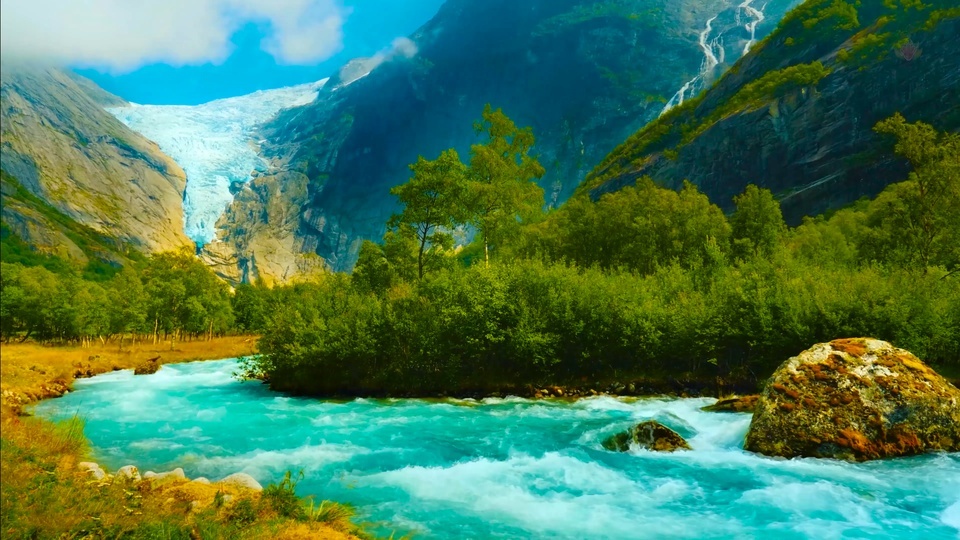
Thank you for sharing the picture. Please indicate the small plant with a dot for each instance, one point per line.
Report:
(329, 512)
(283, 499)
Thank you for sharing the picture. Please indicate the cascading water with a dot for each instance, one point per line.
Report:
(711, 50)
(507, 468)
(756, 16)
(713, 46)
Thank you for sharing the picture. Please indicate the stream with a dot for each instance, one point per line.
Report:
(506, 468)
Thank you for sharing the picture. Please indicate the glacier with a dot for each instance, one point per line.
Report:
(215, 145)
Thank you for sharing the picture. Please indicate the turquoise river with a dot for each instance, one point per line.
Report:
(507, 468)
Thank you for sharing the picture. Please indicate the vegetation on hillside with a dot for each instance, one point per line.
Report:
(815, 40)
(644, 284)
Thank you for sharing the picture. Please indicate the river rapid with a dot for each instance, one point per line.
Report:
(506, 468)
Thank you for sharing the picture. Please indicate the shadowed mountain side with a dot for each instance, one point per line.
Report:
(796, 116)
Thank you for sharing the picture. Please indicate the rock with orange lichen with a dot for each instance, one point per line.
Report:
(855, 399)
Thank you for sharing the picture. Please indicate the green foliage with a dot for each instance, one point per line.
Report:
(640, 228)
(434, 203)
(283, 498)
(646, 283)
(173, 293)
(757, 223)
(917, 222)
(501, 190)
(757, 93)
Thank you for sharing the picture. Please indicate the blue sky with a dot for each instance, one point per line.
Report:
(192, 51)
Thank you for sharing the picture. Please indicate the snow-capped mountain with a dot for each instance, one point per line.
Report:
(214, 144)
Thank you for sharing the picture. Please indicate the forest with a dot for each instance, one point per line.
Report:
(645, 284)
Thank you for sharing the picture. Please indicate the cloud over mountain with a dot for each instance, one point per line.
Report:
(121, 35)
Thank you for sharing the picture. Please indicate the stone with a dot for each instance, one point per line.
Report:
(94, 469)
(201, 480)
(855, 399)
(168, 477)
(242, 480)
(129, 472)
(737, 404)
(651, 435)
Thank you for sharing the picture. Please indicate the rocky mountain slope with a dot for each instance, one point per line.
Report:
(796, 115)
(69, 166)
(583, 73)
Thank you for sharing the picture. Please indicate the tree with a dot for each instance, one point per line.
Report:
(433, 202)
(500, 188)
(128, 301)
(757, 224)
(918, 221)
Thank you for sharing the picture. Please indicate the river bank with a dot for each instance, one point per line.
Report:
(50, 489)
(30, 372)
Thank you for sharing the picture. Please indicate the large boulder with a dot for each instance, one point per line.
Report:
(651, 435)
(855, 399)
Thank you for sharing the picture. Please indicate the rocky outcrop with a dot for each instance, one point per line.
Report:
(651, 435)
(812, 143)
(63, 155)
(583, 74)
(855, 399)
(735, 404)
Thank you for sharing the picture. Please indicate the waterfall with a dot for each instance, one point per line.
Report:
(757, 17)
(713, 55)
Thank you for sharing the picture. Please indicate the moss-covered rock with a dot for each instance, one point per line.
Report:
(737, 404)
(651, 435)
(855, 399)
(147, 367)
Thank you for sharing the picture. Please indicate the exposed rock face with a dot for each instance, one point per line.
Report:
(855, 399)
(583, 74)
(737, 404)
(651, 435)
(62, 148)
(813, 145)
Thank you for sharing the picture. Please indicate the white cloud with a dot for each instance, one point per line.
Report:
(122, 35)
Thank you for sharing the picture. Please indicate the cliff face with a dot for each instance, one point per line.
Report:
(584, 74)
(64, 156)
(802, 129)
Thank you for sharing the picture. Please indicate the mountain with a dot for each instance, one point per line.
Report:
(584, 74)
(76, 182)
(796, 114)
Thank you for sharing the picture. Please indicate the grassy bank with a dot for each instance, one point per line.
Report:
(46, 495)
(30, 372)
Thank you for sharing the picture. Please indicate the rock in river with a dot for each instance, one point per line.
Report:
(651, 435)
(734, 404)
(855, 399)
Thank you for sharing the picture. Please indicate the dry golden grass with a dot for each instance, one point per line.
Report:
(30, 372)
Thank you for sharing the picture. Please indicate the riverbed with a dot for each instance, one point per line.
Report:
(506, 468)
